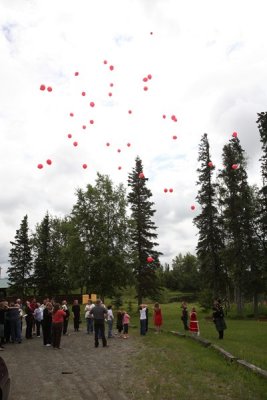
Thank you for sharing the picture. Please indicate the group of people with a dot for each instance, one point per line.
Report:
(217, 317)
(53, 318)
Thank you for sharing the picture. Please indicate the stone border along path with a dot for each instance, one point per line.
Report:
(77, 371)
(223, 352)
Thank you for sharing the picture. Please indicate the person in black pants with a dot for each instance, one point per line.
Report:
(99, 312)
(76, 315)
(29, 320)
(218, 318)
(66, 318)
(47, 324)
(184, 316)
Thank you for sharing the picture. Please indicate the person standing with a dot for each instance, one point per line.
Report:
(184, 316)
(110, 318)
(57, 325)
(126, 320)
(193, 325)
(218, 318)
(13, 314)
(29, 320)
(38, 317)
(119, 324)
(88, 317)
(99, 313)
(66, 318)
(76, 315)
(157, 316)
(47, 324)
(143, 319)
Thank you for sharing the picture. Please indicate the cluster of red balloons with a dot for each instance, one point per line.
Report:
(166, 190)
(43, 87)
(48, 162)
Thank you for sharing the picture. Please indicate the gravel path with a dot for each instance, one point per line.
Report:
(77, 371)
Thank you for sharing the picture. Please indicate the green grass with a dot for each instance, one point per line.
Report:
(245, 339)
(170, 368)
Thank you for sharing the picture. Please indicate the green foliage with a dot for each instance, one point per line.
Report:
(20, 260)
(142, 235)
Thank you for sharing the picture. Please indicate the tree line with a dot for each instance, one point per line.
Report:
(104, 244)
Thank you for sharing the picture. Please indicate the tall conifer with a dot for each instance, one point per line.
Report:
(143, 234)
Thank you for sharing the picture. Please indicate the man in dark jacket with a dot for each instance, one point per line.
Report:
(218, 318)
(99, 313)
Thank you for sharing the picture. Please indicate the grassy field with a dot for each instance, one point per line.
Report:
(172, 368)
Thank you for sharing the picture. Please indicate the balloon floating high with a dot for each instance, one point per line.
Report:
(210, 164)
(141, 175)
(75, 144)
(49, 89)
(71, 115)
(107, 144)
(165, 190)
(170, 190)
(84, 166)
(174, 137)
(92, 104)
(193, 207)
(83, 94)
(234, 134)
(42, 87)
(76, 73)
(111, 67)
(69, 135)
(40, 166)
(150, 259)
(128, 144)
(48, 162)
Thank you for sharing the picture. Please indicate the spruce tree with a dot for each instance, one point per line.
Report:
(238, 215)
(143, 234)
(210, 242)
(262, 125)
(20, 260)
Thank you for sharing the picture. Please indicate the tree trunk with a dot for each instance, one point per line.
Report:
(255, 304)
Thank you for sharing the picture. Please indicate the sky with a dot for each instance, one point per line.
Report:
(207, 64)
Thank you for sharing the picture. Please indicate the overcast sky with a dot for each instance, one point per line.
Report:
(208, 67)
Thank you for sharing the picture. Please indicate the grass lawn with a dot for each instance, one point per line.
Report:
(172, 368)
(245, 339)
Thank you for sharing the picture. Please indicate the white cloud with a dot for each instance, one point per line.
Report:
(208, 66)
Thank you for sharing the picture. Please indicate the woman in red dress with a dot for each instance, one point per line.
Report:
(193, 326)
(157, 317)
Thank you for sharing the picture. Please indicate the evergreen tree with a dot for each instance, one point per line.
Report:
(262, 125)
(99, 216)
(238, 215)
(20, 260)
(210, 242)
(142, 234)
(48, 261)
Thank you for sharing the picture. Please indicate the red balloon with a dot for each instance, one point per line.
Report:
(173, 117)
(210, 164)
(149, 76)
(145, 88)
(84, 166)
(174, 137)
(150, 259)
(234, 134)
(84, 126)
(130, 112)
(234, 166)
(49, 89)
(42, 87)
(110, 94)
(165, 190)
(40, 166)
(83, 93)
(92, 121)
(151, 33)
(119, 167)
(75, 144)
(105, 62)
(193, 207)
(69, 135)
(76, 73)
(111, 67)
(141, 175)
(128, 144)
(163, 116)
(107, 144)
(119, 150)
(48, 162)
(111, 84)
(145, 79)
(71, 115)
(92, 104)
(170, 190)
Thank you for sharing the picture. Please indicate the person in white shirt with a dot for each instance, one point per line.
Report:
(143, 317)
(89, 317)
(110, 319)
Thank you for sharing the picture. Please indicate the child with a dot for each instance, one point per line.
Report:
(157, 317)
(119, 322)
(125, 322)
(193, 326)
